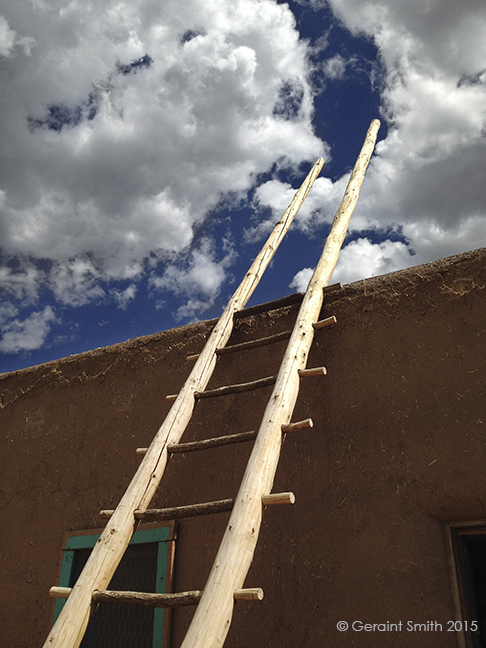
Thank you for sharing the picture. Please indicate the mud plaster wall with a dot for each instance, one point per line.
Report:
(398, 447)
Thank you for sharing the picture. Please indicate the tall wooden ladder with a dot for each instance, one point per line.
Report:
(214, 610)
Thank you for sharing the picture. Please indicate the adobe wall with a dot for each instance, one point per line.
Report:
(398, 448)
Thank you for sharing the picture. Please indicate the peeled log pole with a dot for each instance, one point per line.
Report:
(213, 615)
(69, 629)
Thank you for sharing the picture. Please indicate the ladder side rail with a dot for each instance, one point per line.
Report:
(69, 629)
(212, 618)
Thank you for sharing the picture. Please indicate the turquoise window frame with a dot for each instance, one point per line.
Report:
(160, 535)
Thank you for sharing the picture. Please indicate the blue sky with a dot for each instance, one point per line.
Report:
(148, 147)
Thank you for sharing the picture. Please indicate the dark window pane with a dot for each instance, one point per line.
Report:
(474, 556)
(127, 626)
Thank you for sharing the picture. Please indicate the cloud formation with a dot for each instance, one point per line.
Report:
(427, 177)
(126, 123)
(198, 278)
(24, 335)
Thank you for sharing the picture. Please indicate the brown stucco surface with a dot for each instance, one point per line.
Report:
(398, 448)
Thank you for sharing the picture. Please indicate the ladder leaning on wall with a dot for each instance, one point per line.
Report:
(212, 618)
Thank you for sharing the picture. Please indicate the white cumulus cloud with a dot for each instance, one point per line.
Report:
(427, 173)
(301, 279)
(7, 37)
(426, 179)
(199, 278)
(362, 258)
(27, 334)
(128, 122)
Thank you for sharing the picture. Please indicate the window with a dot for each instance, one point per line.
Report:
(145, 567)
(469, 551)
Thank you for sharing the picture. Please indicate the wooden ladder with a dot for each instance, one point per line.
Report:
(215, 604)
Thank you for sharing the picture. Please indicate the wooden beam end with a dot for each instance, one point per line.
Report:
(248, 594)
(278, 498)
(298, 425)
(60, 592)
(329, 321)
(315, 371)
(106, 515)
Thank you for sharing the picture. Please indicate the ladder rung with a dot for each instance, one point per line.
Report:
(212, 443)
(228, 439)
(290, 300)
(236, 389)
(135, 598)
(315, 371)
(325, 322)
(251, 344)
(146, 599)
(192, 510)
(270, 339)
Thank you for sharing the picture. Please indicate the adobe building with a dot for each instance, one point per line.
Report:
(389, 523)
